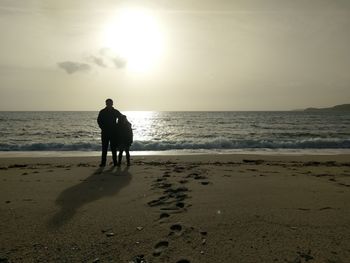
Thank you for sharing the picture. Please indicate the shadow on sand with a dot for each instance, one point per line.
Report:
(101, 183)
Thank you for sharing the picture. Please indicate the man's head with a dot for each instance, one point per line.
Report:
(109, 103)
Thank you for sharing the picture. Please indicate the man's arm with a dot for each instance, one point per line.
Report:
(118, 114)
(131, 134)
(99, 120)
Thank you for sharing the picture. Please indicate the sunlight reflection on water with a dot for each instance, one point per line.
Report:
(142, 123)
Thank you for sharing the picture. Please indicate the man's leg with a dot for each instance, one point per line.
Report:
(114, 152)
(105, 141)
(120, 157)
(127, 156)
(113, 142)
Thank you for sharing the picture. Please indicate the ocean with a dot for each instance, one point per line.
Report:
(181, 131)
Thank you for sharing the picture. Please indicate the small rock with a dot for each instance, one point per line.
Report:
(106, 230)
(96, 260)
(110, 234)
(139, 228)
(204, 241)
(139, 259)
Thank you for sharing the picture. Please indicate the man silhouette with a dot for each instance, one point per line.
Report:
(107, 120)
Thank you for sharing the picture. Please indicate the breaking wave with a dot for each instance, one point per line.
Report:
(213, 144)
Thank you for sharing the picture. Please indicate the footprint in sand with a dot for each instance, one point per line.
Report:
(180, 204)
(196, 176)
(176, 228)
(166, 174)
(160, 179)
(160, 247)
(161, 185)
(157, 202)
(203, 233)
(164, 215)
(180, 197)
(179, 169)
(165, 185)
(199, 177)
(177, 190)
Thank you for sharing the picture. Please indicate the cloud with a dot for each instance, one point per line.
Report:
(105, 58)
(72, 67)
(119, 62)
(98, 61)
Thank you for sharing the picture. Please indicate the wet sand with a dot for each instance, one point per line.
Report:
(209, 208)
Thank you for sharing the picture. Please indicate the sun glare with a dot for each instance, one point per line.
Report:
(135, 36)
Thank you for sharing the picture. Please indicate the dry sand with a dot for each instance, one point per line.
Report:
(210, 208)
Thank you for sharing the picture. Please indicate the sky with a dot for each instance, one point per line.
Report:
(174, 55)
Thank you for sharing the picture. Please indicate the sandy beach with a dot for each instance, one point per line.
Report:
(197, 208)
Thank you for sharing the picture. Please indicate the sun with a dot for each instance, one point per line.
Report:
(135, 36)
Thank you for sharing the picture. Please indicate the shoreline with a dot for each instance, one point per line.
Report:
(206, 159)
(263, 152)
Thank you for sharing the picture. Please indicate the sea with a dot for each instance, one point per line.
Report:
(181, 132)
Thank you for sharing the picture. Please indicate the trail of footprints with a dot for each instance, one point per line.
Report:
(174, 199)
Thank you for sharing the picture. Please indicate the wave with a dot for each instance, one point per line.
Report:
(50, 147)
(213, 144)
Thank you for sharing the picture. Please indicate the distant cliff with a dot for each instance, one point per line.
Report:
(342, 107)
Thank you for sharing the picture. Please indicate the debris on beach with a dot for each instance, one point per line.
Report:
(138, 259)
